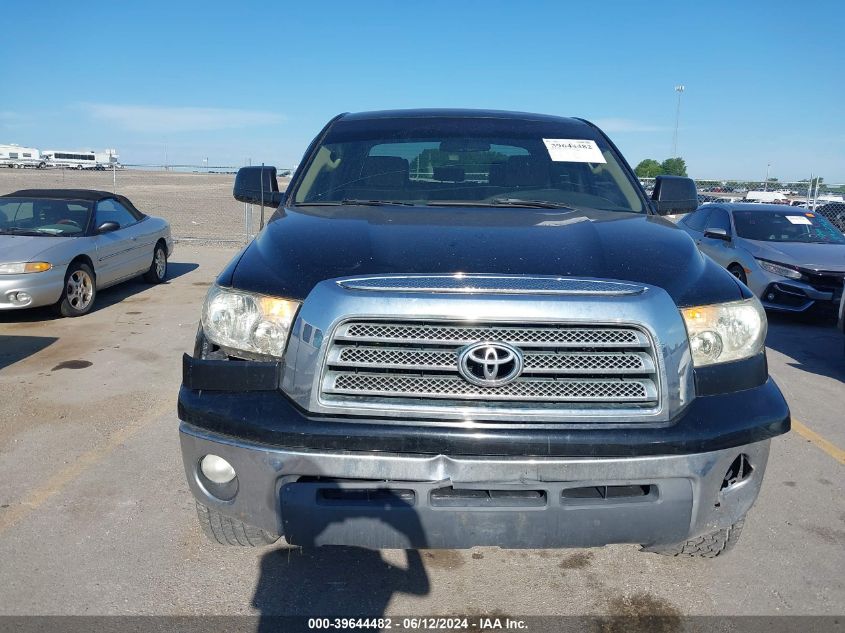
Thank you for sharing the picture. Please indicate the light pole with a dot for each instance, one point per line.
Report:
(766, 184)
(679, 89)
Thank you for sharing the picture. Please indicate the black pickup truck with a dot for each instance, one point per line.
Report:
(465, 328)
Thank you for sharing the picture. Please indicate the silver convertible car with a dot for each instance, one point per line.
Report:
(791, 258)
(58, 247)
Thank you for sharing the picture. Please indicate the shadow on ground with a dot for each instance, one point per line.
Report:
(16, 348)
(105, 298)
(333, 580)
(815, 345)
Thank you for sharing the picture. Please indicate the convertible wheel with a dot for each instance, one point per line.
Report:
(79, 292)
(158, 269)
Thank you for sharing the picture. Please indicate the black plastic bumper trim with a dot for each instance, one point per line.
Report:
(230, 375)
(735, 376)
(709, 423)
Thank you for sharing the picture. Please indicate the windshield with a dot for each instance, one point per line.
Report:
(463, 160)
(43, 216)
(786, 226)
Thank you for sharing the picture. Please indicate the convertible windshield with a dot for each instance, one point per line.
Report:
(496, 162)
(786, 227)
(43, 216)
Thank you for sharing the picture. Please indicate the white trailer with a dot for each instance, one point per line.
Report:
(764, 196)
(17, 156)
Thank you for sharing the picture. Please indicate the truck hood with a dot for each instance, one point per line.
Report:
(24, 248)
(827, 257)
(303, 246)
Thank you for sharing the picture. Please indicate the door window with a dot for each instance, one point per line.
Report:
(697, 220)
(110, 210)
(719, 219)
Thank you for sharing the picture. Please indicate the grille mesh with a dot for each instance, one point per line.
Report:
(451, 387)
(513, 335)
(543, 362)
(413, 364)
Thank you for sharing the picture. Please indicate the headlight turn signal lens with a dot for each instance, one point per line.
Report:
(247, 322)
(725, 332)
(24, 267)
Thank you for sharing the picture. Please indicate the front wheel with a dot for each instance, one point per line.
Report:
(739, 272)
(224, 530)
(79, 291)
(708, 545)
(158, 269)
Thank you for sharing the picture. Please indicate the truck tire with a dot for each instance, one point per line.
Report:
(225, 530)
(708, 545)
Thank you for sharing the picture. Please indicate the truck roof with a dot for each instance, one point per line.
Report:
(457, 113)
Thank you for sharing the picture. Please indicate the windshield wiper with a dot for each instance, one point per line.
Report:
(501, 202)
(19, 231)
(356, 202)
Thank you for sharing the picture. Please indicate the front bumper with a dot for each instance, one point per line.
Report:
(790, 295)
(395, 500)
(44, 288)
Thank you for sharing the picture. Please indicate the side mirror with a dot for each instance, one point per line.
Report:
(257, 185)
(107, 227)
(674, 194)
(717, 234)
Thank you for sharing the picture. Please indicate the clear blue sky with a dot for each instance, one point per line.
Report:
(230, 80)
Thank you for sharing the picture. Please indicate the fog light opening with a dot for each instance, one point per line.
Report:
(740, 470)
(217, 470)
(20, 298)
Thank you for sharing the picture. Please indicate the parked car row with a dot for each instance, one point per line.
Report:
(58, 247)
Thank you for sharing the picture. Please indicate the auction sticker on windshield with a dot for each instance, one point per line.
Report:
(570, 150)
(798, 219)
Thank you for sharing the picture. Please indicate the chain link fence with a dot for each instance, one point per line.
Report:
(198, 202)
(825, 199)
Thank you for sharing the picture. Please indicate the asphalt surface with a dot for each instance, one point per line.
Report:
(96, 517)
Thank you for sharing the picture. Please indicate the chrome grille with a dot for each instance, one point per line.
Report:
(414, 364)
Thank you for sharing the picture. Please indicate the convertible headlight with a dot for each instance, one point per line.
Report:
(726, 331)
(24, 267)
(779, 269)
(252, 323)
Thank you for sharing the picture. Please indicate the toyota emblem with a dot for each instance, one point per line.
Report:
(490, 364)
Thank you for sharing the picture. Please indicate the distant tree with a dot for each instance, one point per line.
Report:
(674, 166)
(648, 168)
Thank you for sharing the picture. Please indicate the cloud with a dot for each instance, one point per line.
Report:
(164, 120)
(612, 125)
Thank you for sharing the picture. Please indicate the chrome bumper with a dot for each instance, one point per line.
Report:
(279, 490)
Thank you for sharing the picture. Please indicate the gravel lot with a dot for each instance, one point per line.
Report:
(199, 207)
(96, 518)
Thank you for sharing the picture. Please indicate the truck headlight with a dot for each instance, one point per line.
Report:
(725, 331)
(779, 269)
(24, 267)
(247, 322)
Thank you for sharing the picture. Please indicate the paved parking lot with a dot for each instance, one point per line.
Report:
(96, 518)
